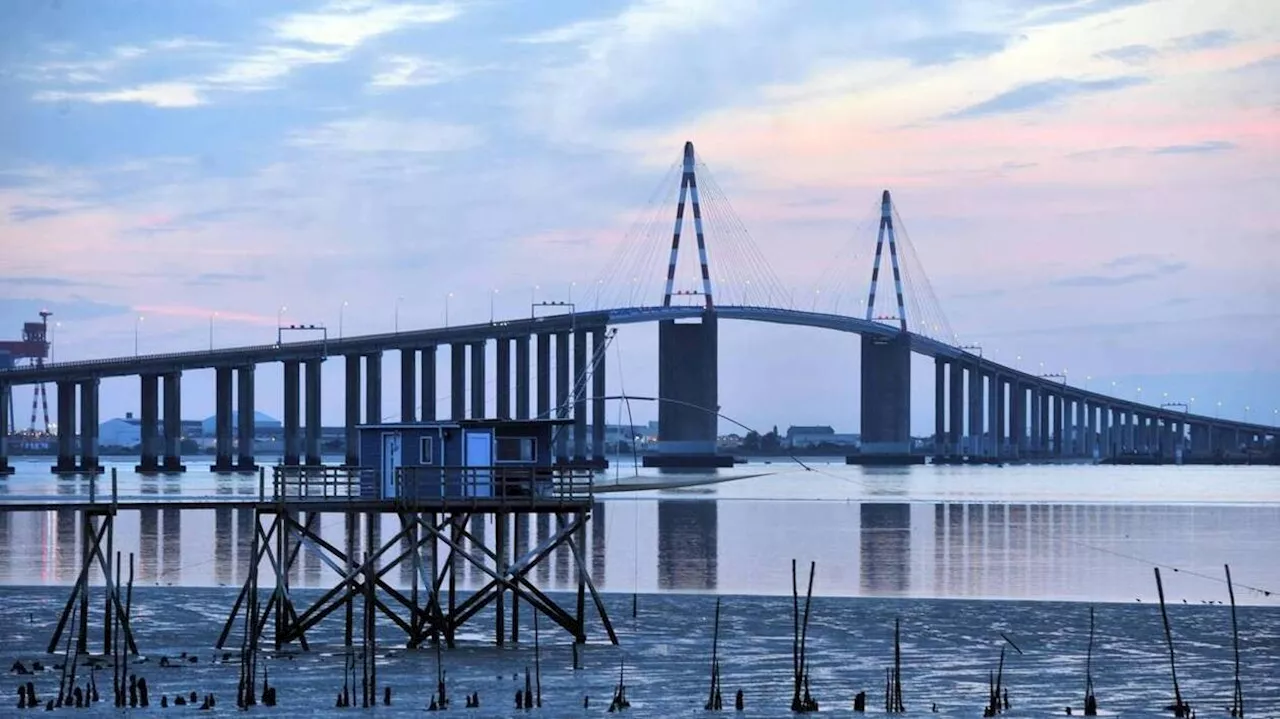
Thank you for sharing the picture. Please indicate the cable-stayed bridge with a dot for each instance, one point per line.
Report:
(551, 366)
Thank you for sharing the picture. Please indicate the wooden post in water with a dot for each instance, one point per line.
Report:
(1090, 702)
(1237, 693)
(715, 674)
(1179, 709)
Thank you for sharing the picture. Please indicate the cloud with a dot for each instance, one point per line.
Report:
(1040, 94)
(350, 23)
(948, 48)
(371, 134)
(1147, 267)
(259, 69)
(220, 278)
(1210, 40)
(1197, 148)
(1055, 12)
(160, 94)
(1129, 54)
(409, 71)
(26, 281)
(26, 213)
(27, 309)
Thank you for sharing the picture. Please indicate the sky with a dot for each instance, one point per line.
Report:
(1082, 186)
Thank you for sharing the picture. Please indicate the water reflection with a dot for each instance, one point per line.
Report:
(683, 542)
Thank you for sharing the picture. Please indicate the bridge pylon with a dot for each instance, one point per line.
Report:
(689, 190)
(886, 229)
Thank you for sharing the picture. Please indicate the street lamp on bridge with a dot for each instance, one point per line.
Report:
(342, 311)
(136, 324)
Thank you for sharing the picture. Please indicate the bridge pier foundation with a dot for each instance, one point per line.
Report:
(222, 411)
(457, 381)
(974, 445)
(66, 408)
(6, 400)
(89, 427)
(598, 389)
(246, 420)
(373, 388)
(149, 425)
(688, 377)
(886, 396)
(562, 393)
(311, 413)
(292, 417)
(579, 385)
(351, 400)
(477, 380)
(939, 407)
(522, 377)
(173, 423)
(955, 409)
(427, 372)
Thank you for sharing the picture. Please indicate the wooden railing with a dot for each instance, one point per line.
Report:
(512, 484)
(319, 482)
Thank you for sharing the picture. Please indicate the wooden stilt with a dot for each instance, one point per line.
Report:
(1237, 691)
(1179, 708)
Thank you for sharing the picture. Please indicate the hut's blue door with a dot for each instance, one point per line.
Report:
(479, 449)
(391, 461)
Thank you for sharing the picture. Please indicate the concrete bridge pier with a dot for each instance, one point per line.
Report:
(955, 409)
(688, 384)
(502, 380)
(222, 411)
(149, 425)
(598, 408)
(522, 377)
(457, 381)
(172, 423)
(1017, 418)
(66, 407)
(886, 398)
(311, 413)
(89, 427)
(373, 388)
(292, 418)
(408, 384)
(477, 380)
(562, 394)
(6, 397)
(427, 370)
(995, 415)
(579, 386)
(543, 383)
(976, 389)
(352, 409)
(1060, 446)
(939, 407)
(246, 420)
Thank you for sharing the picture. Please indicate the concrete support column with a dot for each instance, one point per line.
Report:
(149, 425)
(502, 370)
(995, 415)
(66, 405)
(939, 407)
(1106, 438)
(886, 396)
(223, 408)
(522, 377)
(562, 393)
(173, 423)
(408, 384)
(352, 402)
(543, 384)
(1017, 418)
(1059, 424)
(688, 372)
(292, 413)
(311, 416)
(89, 426)
(579, 384)
(955, 409)
(246, 413)
(457, 381)
(428, 372)
(6, 422)
(598, 389)
(975, 389)
(6, 403)
(1043, 405)
(373, 388)
(477, 380)
(1087, 428)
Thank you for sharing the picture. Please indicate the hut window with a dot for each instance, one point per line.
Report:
(426, 447)
(516, 449)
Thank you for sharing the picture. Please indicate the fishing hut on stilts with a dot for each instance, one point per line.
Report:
(441, 480)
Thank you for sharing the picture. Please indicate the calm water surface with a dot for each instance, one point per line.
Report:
(897, 539)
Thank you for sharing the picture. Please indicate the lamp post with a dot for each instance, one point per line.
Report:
(342, 311)
(136, 324)
(492, 296)
(446, 308)
(280, 316)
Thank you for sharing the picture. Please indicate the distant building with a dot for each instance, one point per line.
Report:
(262, 424)
(126, 431)
(799, 436)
